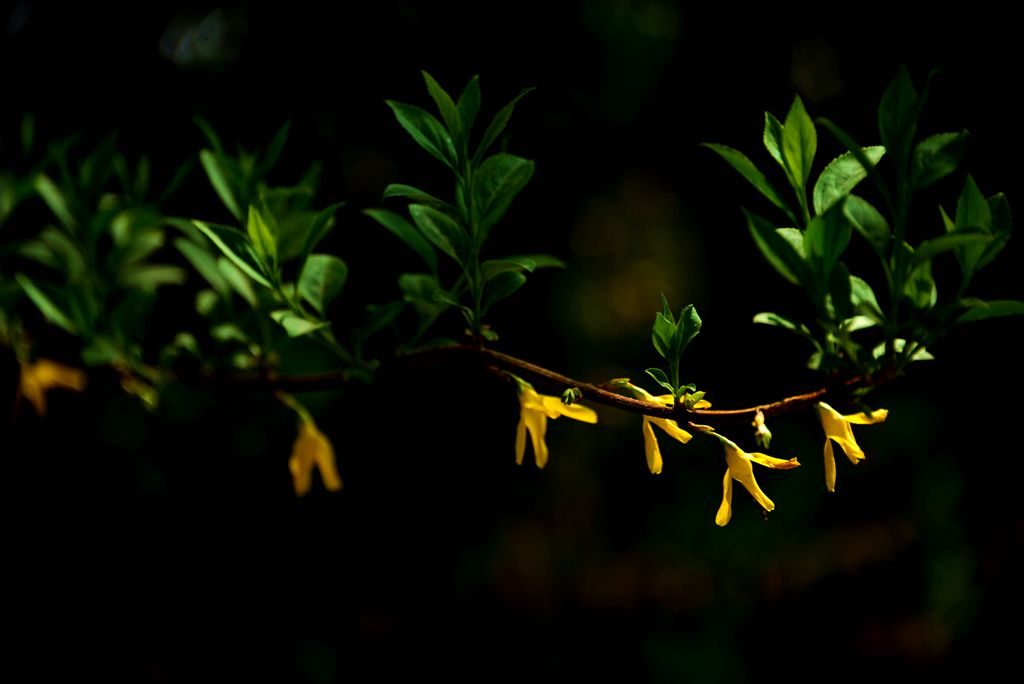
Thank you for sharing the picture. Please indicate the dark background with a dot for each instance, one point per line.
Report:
(170, 547)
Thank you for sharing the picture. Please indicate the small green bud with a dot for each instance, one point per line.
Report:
(571, 396)
(762, 435)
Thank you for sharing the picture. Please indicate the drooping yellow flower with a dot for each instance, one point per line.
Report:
(741, 470)
(43, 375)
(837, 427)
(312, 449)
(651, 449)
(535, 409)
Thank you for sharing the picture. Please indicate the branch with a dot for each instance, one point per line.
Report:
(498, 362)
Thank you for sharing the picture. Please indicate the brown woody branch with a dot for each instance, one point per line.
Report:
(604, 394)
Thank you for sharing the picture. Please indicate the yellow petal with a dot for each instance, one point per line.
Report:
(43, 375)
(743, 472)
(830, 466)
(724, 514)
(702, 404)
(584, 414)
(537, 424)
(653, 453)
(520, 441)
(850, 448)
(312, 449)
(877, 416)
(673, 429)
(772, 462)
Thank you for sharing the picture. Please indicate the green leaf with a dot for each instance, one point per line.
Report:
(825, 240)
(148, 277)
(237, 280)
(799, 143)
(773, 138)
(1002, 226)
(661, 335)
(921, 354)
(449, 112)
(666, 311)
(841, 176)
(319, 228)
(493, 267)
(229, 332)
(774, 319)
(660, 378)
(920, 286)
(442, 231)
(294, 324)
(777, 249)
(857, 151)
(217, 174)
(980, 310)
(538, 260)
(687, 328)
(867, 221)
(935, 158)
(498, 180)
(405, 232)
(496, 126)
(261, 236)
(234, 245)
(840, 293)
(863, 298)
(500, 287)
(274, 149)
(55, 200)
(929, 249)
(380, 316)
(897, 119)
(972, 209)
(51, 311)
(414, 194)
(746, 168)
(322, 280)
(206, 301)
(469, 105)
(426, 131)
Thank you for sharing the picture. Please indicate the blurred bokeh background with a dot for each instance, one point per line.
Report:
(170, 547)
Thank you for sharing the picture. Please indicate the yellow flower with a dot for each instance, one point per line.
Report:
(837, 427)
(312, 448)
(535, 409)
(651, 449)
(741, 470)
(43, 375)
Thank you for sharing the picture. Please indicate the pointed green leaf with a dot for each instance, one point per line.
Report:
(799, 143)
(493, 267)
(55, 200)
(205, 263)
(897, 119)
(538, 260)
(322, 280)
(972, 209)
(687, 328)
(442, 231)
(50, 311)
(840, 293)
(864, 301)
(274, 149)
(854, 148)
(935, 158)
(661, 335)
(500, 287)
(426, 130)
(980, 310)
(238, 281)
(867, 221)
(825, 240)
(496, 126)
(218, 177)
(920, 286)
(148, 277)
(405, 232)
(379, 316)
(777, 249)
(841, 176)
(322, 224)
(414, 194)
(746, 168)
(469, 105)
(449, 112)
(261, 235)
(773, 138)
(294, 324)
(929, 249)
(234, 245)
(660, 378)
(666, 310)
(498, 180)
